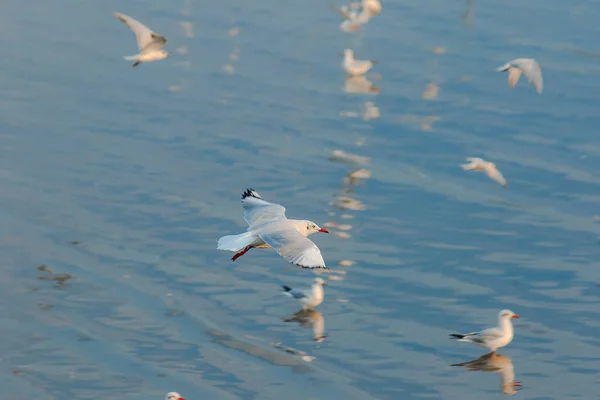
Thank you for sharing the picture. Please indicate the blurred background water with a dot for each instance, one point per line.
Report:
(118, 181)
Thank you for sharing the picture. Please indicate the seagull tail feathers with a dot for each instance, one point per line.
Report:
(235, 242)
(131, 58)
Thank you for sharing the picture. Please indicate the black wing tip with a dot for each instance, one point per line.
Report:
(287, 288)
(250, 193)
(456, 336)
(313, 267)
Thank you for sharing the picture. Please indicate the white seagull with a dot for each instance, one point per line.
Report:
(492, 338)
(355, 67)
(173, 396)
(529, 67)
(479, 164)
(269, 227)
(309, 298)
(149, 43)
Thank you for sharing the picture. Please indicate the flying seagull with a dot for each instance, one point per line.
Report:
(149, 43)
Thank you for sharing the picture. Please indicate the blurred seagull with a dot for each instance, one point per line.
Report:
(492, 338)
(309, 298)
(529, 67)
(173, 396)
(355, 67)
(269, 227)
(149, 43)
(479, 164)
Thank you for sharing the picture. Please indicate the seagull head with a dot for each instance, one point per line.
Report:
(173, 396)
(311, 228)
(347, 53)
(319, 281)
(507, 314)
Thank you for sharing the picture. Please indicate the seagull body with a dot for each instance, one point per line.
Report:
(309, 298)
(355, 67)
(479, 164)
(173, 396)
(494, 362)
(269, 227)
(492, 338)
(149, 43)
(529, 67)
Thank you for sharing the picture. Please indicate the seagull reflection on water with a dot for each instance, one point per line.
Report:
(310, 319)
(360, 84)
(494, 362)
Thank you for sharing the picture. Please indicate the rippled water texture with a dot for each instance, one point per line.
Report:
(142, 168)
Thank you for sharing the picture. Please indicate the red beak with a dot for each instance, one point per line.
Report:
(515, 316)
(323, 230)
(181, 398)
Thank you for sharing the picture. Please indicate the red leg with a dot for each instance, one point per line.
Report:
(241, 253)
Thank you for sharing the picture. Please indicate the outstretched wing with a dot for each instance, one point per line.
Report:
(259, 212)
(146, 39)
(532, 71)
(292, 246)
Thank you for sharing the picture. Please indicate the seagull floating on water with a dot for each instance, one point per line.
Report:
(173, 396)
(492, 338)
(309, 298)
(529, 67)
(269, 227)
(355, 67)
(479, 164)
(149, 43)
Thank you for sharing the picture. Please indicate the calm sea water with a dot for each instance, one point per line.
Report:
(143, 169)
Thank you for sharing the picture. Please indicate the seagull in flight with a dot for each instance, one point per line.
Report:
(269, 227)
(479, 164)
(529, 67)
(149, 43)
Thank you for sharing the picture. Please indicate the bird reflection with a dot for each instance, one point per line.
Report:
(360, 84)
(494, 362)
(468, 16)
(310, 318)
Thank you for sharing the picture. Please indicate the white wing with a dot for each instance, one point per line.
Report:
(292, 246)
(532, 71)
(514, 74)
(147, 40)
(496, 175)
(298, 294)
(258, 212)
(488, 335)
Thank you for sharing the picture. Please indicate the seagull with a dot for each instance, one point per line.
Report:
(269, 227)
(492, 338)
(529, 67)
(494, 362)
(355, 67)
(149, 42)
(309, 298)
(479, 164)
(173, 396)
